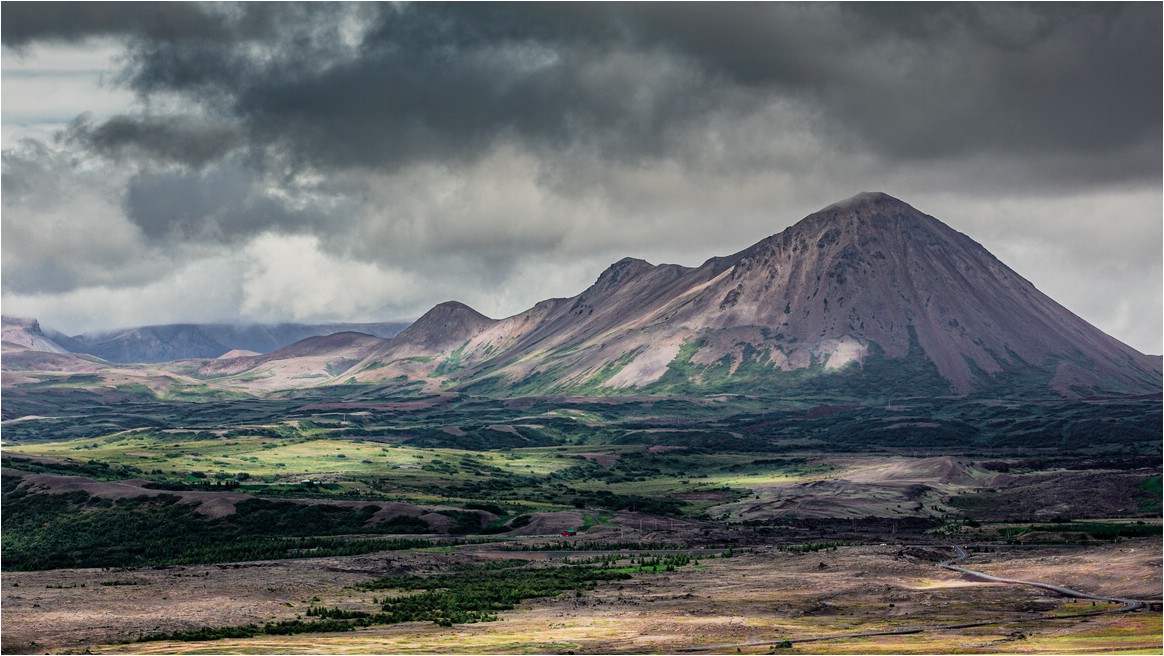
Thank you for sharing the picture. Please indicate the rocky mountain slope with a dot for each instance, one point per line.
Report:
(868, 294)
(20, 333)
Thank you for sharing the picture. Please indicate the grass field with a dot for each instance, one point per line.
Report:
(542, 476)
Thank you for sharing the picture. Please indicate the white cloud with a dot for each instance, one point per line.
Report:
(1097, 253)
(205, 291)
(46, 87)
(64, 226)
(290, 278)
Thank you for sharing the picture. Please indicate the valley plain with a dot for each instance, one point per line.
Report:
(219, 524)
(581, 328)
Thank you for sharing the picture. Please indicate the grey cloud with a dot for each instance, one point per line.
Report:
(925, 80)
(24, 22)
(63, 229)
(195, 141)
(1081, 80)
(433, 82)
(223, 203)
(189, 22)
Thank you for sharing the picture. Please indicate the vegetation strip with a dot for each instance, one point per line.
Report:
(470, 594)
(76, 529)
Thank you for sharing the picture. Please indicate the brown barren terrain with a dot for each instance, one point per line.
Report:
(768, 595)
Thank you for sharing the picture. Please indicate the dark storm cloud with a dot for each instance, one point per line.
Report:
(924, 80)
(1056, 79)
(436, 82)
(28, 22)
(25, 22)
(428, 83)
(166, 139)
(223, 203)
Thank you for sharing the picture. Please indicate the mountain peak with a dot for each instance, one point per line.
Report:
(621, 271)
(869, 199)
(866, 213)
(451, 321)
(31, 325)
(325, 344)
(450, 313)
(627, 264)
(27, 333)
(453, 307)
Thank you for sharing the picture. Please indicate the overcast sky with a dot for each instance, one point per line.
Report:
(279, 162)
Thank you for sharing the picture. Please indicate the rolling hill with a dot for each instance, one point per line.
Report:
(169, 342)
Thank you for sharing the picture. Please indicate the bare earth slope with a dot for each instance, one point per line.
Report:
(26, 333)
(302, 364)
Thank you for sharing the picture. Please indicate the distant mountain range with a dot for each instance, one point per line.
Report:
(170, 342)
(867, 298)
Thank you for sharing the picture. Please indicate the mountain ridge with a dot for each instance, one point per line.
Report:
(169, 342)
(867, 297)
(870, 274)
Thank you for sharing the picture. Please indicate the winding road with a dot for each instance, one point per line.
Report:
(960, 554)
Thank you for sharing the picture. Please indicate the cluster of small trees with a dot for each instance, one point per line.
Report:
(477, 595)
(812, 547)
(49, 531)
(592, 546)
(285, 627)
(469, 594)
(666, 563)
(336, 613)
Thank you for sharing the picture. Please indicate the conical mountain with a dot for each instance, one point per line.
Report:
(449, 323)
(866, 296)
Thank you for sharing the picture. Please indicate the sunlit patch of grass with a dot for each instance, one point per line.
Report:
(537, 461)
(758, 479)
(1125, 633)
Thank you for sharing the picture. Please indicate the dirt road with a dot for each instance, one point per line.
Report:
(960, 555)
